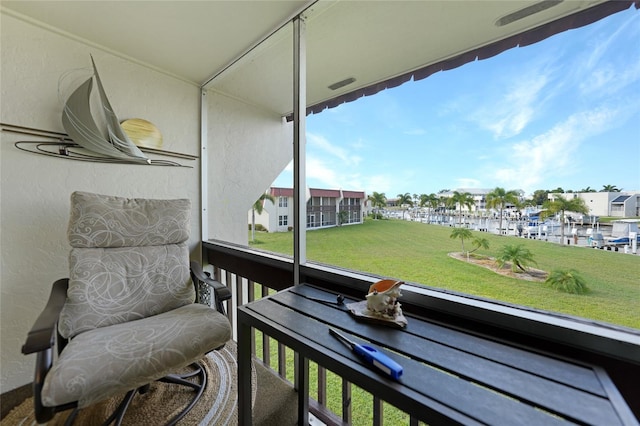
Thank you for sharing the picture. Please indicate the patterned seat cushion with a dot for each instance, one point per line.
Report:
(110, 360)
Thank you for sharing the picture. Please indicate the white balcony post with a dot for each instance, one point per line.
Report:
(299, 150)
(204, 167)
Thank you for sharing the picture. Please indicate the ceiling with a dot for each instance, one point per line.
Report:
(224, 45)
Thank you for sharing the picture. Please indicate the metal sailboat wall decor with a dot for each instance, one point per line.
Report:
(96, 134)
(78, 121)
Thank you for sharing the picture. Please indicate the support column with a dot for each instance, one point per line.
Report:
(204, 167)
(299, 147)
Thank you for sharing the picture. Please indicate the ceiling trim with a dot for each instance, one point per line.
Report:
(576, 20)
(258, 43)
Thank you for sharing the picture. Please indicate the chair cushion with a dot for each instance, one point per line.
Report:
(115, 285)
(108, 221)
(100, 363)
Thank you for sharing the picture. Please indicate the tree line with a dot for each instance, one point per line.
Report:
(498, 199)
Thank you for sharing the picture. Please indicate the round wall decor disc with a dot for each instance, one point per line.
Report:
(142, 133)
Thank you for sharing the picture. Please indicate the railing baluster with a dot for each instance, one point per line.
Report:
(250, 298)
(346, 401)
(282, 360)
(266, 350)
(322, 385)
(252, 290)
(240, 290)
(377, 411)
(231, 312)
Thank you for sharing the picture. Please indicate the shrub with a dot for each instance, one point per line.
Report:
(567, 280)
(519, 256)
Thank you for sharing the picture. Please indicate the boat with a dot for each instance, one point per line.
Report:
(623, 232)
(622, 241)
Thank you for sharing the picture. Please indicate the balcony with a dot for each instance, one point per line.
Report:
(253, 274)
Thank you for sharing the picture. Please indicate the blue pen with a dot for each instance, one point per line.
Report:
(372, 356)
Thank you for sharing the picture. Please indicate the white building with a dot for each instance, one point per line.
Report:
(616, 204)
(324, 209)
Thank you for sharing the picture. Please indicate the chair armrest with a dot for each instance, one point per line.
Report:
(43, 333)
(221, 292)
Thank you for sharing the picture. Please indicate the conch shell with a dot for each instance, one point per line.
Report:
(382, 298)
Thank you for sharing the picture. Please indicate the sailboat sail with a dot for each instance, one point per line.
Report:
(81, 126)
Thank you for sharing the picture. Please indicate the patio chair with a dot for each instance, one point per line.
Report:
(126, 315)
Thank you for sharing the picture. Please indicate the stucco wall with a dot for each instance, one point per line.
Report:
(248, 148)
(35, 189)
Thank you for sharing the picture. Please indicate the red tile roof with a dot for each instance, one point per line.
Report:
(353, 194)
(282, 192)
(333, 193)
(316, 192)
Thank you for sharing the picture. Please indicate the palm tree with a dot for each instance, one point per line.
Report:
(416, 204)
(461, 233)
(567, 280)
(499, 197)
(258, 207)
(405, 199)
(478, 243)
(430, 201)
(540, 196)
(343, 216)
(587, 189)
(610, 188)
(519, 256)
(378, 201)
(562, 205)
(444, 203)
(462, 199)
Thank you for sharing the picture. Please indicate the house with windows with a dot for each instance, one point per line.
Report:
(229, 85)
(616, 204)
(325, 208)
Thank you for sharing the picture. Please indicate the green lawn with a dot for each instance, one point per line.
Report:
(416, 252)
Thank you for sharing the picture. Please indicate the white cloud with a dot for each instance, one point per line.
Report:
(338, 152)
(602, 72)
(318, 171)
(468, 183)
(609, 79)
(602, 45)
(378, 183)
(553, 152)
(509, 115)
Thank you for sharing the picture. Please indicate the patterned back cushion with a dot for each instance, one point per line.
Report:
(129, 260)
(106, 221)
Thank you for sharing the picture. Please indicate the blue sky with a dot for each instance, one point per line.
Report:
(564, 112)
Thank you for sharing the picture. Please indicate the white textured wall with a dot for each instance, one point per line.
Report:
(248, 148)
(35, 189)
